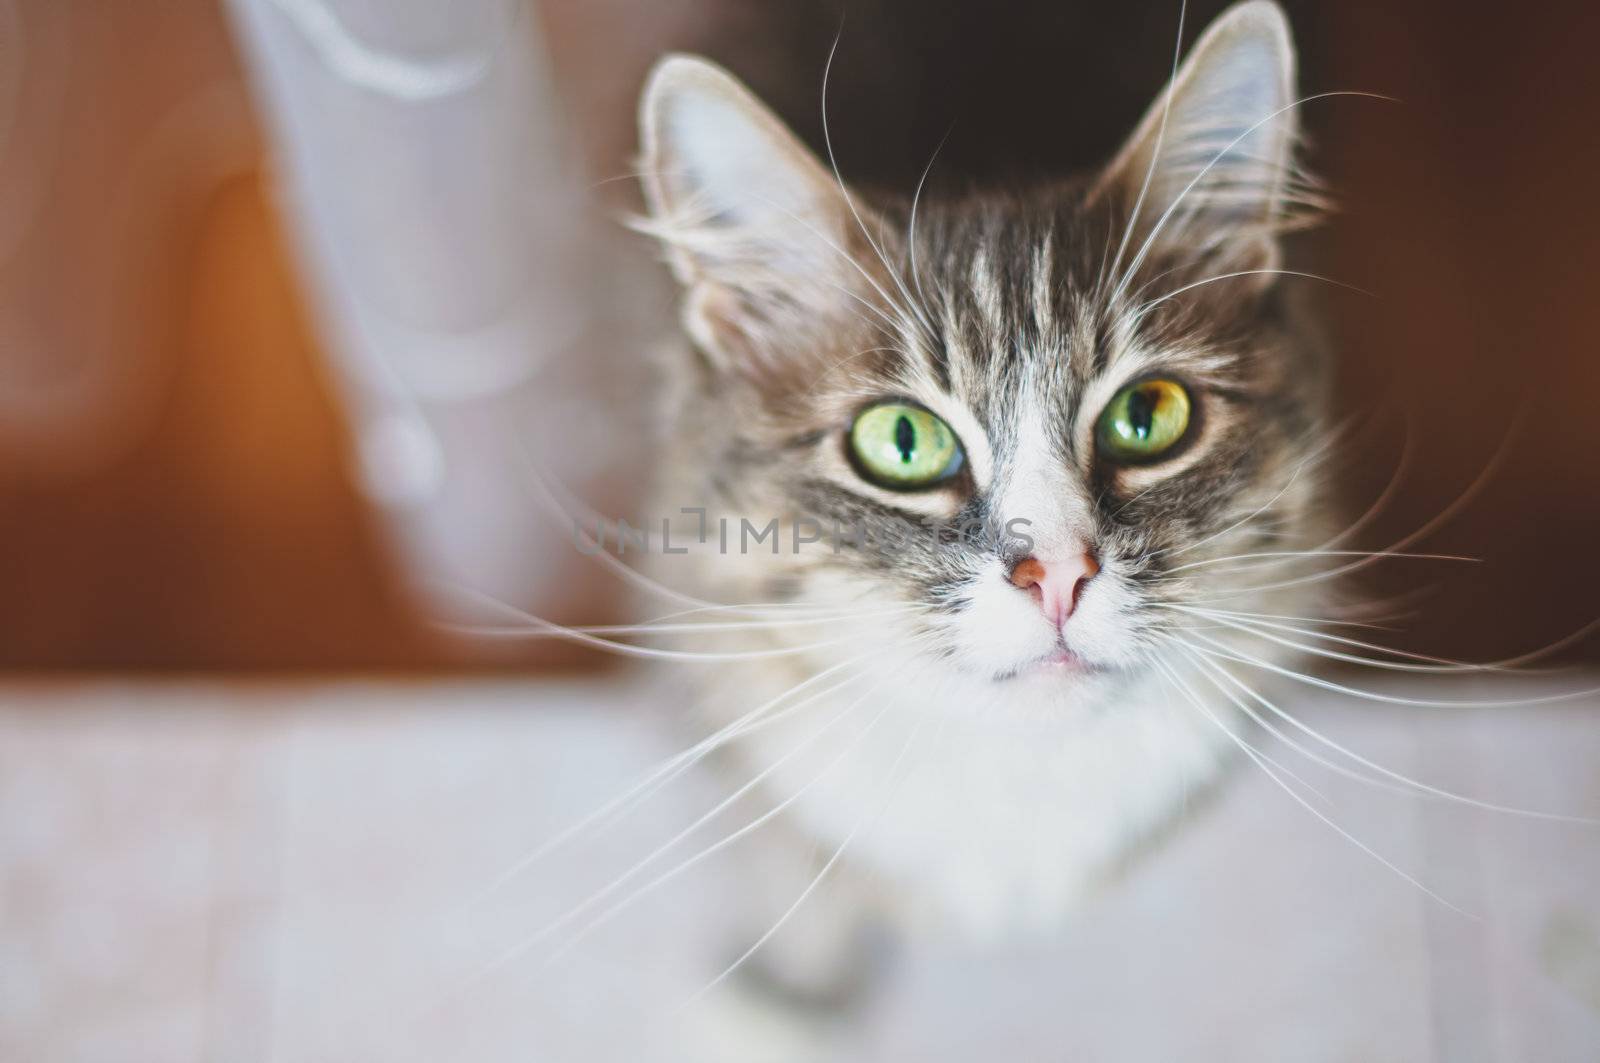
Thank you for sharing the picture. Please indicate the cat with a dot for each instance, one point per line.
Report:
(987, 474)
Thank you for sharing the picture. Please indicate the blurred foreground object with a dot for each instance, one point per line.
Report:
(473, 301)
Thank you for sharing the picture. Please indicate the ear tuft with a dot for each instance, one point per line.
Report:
(755, 226)
(1210, 167)
(719, 164)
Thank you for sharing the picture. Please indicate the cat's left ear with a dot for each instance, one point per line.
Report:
(1206, 173)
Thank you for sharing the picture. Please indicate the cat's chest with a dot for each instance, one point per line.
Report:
(994, 815)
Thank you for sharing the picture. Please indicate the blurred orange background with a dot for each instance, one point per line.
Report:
(174, 487)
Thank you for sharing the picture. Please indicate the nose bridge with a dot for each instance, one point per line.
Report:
(1037, 485)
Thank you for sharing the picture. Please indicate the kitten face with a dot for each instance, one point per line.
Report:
(1017, 320)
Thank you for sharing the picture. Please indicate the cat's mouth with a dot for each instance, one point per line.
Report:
(1060, 663)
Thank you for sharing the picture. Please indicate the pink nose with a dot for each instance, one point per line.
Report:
(1056, 585)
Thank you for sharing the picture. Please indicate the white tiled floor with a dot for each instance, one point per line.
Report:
(226, 872)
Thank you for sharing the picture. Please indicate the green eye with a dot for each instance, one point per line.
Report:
(904, 447)
(1144, 420)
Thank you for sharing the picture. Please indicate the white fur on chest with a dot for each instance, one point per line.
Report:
(993, 807)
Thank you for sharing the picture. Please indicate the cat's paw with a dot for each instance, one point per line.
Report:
(742, 1022)
(797, 1000)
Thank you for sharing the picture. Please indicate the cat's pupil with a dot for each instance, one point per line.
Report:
(1141, 412)
(905, 438)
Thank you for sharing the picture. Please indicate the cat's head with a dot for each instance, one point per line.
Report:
(1099, 373)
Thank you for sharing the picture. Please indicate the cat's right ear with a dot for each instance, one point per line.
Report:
(758, 231)
(1207, 174)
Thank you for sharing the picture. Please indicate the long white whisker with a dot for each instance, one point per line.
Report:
(671, 233)
(653, 628)
(811, 389)
(1264, 757)
(1316, 457)
(627, 649)
(1145, 308)
(1155, 153)
(1194, 700)
(890, 787)
(1444, 516)
(1176, 551)
(678, 869)
(1228, 653)
(1275, 555)
(1149, 241)
(914, 310)
(609, 913)
(1390, 489)
(670, 769)
(911, 225)
(546, 493)
(1506, 664)
(1203, 667)
(1405, 780)
(1429, 665)
(1236, 614)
